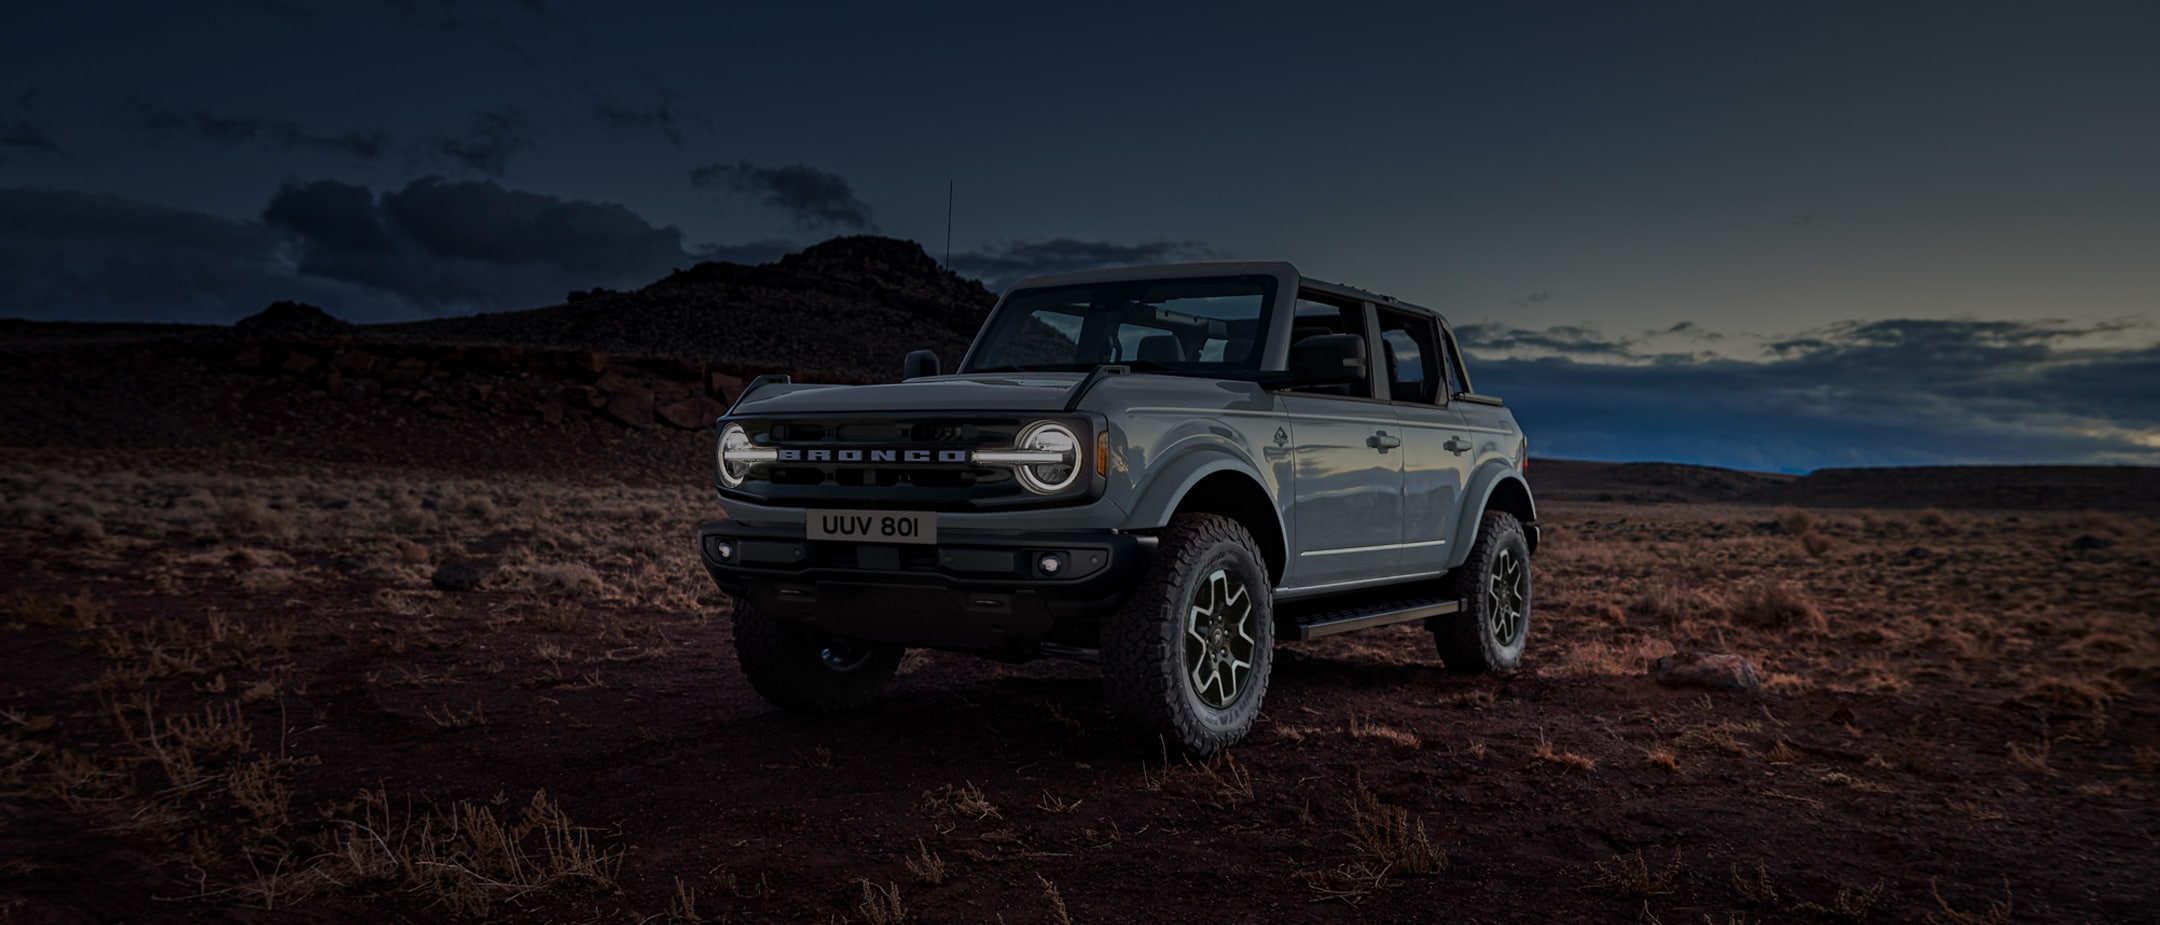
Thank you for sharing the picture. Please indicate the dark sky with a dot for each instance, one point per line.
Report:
(1766, 235)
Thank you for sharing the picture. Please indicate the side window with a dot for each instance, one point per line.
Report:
(1456, 384)
(1412, 359)
(1317, 315)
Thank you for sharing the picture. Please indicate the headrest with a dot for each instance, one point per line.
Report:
(1161, 348)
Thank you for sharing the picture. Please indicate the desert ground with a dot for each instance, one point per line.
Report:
(236, 690)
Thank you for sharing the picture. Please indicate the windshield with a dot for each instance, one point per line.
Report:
(1204, 325)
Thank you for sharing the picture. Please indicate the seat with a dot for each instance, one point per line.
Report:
(1318, 350)
(1161, 348)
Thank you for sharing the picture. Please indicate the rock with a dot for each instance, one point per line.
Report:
(359, 362)
(408, 370)
(614, 381)
(1918, 552)
(551, 413)
(632, 408)
(2087, 541)
(670, 392)
(483, 390)
(249, 357)
(589, 362)
(724, 386)
(1721, 671)
(694, 413)
(297, 362)
(292, 319)
(458, 576)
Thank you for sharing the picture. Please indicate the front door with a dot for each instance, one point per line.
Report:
(1347, 446)
(1349, 489)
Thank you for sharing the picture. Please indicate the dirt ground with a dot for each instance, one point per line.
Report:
(234, 694)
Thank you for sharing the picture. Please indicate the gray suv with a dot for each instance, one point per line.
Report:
(1164, 469)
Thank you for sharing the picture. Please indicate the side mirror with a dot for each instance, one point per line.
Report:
(919, 363)
(1329, 358)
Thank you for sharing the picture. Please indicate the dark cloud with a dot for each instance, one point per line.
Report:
(815, 198)
(1567, 339)
(1895, 392)
(22, 137)
(365, 144)
(487, 145)
(72, 255)
(1000, 265)
(432, 247)
(669, 120)
(331, 215)
(451, 246)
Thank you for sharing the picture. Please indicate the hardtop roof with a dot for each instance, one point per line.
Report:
(1281, 268)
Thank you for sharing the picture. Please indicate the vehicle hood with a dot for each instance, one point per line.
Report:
(993, 392)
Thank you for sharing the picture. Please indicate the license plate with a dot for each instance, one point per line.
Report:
(872, 526)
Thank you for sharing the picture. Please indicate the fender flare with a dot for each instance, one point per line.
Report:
(1476, 495)
(1169, 484)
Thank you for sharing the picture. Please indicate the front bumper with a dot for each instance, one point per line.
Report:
(972, 590)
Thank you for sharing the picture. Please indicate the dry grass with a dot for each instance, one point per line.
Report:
(1630, 876)
(466, 857)
(1390, 837)
(2075, 692)
(1367, 729)
(1545, 752)
(1996, 913)
(2033, 759)
(1755, 886)
(1058, 912)
(962, 800)
(881, 905)
(1663, 758)
(1794, 520)
(925, 864)
(1777, 605)
(1852, 903)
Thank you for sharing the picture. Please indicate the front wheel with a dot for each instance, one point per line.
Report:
(1493, 626)
(799, 669)
(1187, 657)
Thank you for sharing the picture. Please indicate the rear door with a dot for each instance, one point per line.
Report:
(1436, 452)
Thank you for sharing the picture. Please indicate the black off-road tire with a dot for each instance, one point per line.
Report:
(803, 671)
(1148, 681)
(1484, 636)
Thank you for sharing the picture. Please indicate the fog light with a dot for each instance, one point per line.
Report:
(1050, 563)
(723, 550)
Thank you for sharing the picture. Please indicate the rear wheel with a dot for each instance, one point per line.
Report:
(1491, 630)
(1187, 658)
(800, 669)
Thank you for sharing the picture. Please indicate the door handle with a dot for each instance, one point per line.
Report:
(1382, 442)
(1456, 445)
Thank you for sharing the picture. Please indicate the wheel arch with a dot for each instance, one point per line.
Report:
(1218, 484)
(1495, 487)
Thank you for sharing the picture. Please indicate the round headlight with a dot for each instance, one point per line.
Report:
(1049, 437)
(733, 455)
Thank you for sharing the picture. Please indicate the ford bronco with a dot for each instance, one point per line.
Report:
(1164, 469)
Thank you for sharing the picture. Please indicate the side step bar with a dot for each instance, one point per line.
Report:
(1330, 622)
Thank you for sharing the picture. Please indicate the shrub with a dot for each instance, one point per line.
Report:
(1777, 605)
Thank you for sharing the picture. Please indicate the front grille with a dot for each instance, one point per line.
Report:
(862, 462)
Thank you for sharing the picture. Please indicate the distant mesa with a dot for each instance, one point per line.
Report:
(292, 319)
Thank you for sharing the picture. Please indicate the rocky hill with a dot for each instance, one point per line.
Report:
(849, 308)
